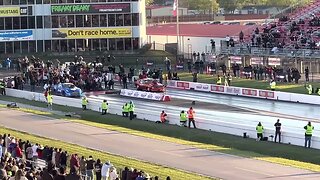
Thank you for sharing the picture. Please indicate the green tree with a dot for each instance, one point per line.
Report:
(228, 5)
(202, 5)
(149, 2)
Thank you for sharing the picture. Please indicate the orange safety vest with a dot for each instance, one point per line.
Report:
(163, 117)
(191, 113)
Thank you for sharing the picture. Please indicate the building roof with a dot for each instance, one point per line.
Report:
(199, 30)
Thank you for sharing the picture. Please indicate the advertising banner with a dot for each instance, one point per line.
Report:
(236, 59)
(92, 33)
(202, 87)
(274, 61)
(91, 8)
(142, 94)
(233, 90)
(257, 60)
(267, 94)
(249, 92)
(14, 11)
(16, 35)
(217, 88)
(183, 85)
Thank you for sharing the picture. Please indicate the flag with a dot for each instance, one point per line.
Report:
(175, 8)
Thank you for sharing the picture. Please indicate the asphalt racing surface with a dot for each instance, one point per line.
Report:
(169, 154)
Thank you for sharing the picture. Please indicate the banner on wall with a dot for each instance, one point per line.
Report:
(274, 61)
(16, 35)
(91, 8)
(236, 59)
(256, 60)
(15, 11)
(92, 33)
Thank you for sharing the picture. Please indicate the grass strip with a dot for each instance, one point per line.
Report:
(285, 154)
(118, 161)
(251, 83)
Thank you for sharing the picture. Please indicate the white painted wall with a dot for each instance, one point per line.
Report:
(188, 44)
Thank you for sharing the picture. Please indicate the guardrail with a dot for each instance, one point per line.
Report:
(247, 92)
(203, 121)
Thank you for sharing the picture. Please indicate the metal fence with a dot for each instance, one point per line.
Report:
(256, 51)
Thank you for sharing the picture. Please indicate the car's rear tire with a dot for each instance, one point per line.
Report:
(63, 94)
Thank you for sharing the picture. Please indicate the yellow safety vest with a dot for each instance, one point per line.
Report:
(309, 130)
(125, 108)
(84, 101)
(104, 105)
(50, 99)
(219, 80)
(273, 85)
(131, 107)
(259, 129)
(183, 117)
(309, 88)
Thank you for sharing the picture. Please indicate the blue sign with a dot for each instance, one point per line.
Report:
(16, 35)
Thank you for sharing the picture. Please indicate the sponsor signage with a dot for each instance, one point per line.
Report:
(233, 90)
(16, 35)
(183, 85)
(215, 88)
(274, 61)
(91, 8)
(266, 94)
(171, 83)
(92, 33)
(15, 11)
(202, 87)
(256, 60)
(249, 92)
(142, 94)
(236, 59)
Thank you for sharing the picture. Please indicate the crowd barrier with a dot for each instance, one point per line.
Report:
(146, 113)
(247, 92)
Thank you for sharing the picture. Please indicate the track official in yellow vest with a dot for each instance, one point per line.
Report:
(309, 129)
(260, 130)
(131, 110)
(104, 107)
(309, 88)
(50, 100)
(219, 81)
(84, 103)
(273, 85)
(125, 110)
(183, 119)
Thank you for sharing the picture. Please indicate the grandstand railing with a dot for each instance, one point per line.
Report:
(291, 53)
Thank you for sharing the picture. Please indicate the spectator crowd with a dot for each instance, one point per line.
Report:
(24, 160)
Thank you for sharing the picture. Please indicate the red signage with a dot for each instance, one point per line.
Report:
(215, 88)
(249, 92)
(183, 85)
(267, 94)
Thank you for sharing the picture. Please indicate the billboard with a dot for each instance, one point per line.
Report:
(256, 60)
(92, 33)
(16, 35)
(91, 8)
(274, 61)
(15, 11)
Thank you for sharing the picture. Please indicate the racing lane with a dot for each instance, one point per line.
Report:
(279, 107)
(211, 113)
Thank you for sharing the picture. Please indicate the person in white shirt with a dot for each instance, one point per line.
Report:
(113, 174)
(105, 170)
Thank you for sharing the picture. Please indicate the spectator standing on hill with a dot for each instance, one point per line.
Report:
(97, 169)
(105, 170)
(82, 165)
(277, 125)
(90, 167)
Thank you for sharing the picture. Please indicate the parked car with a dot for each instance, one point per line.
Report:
(67, 89)
(148, 84)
